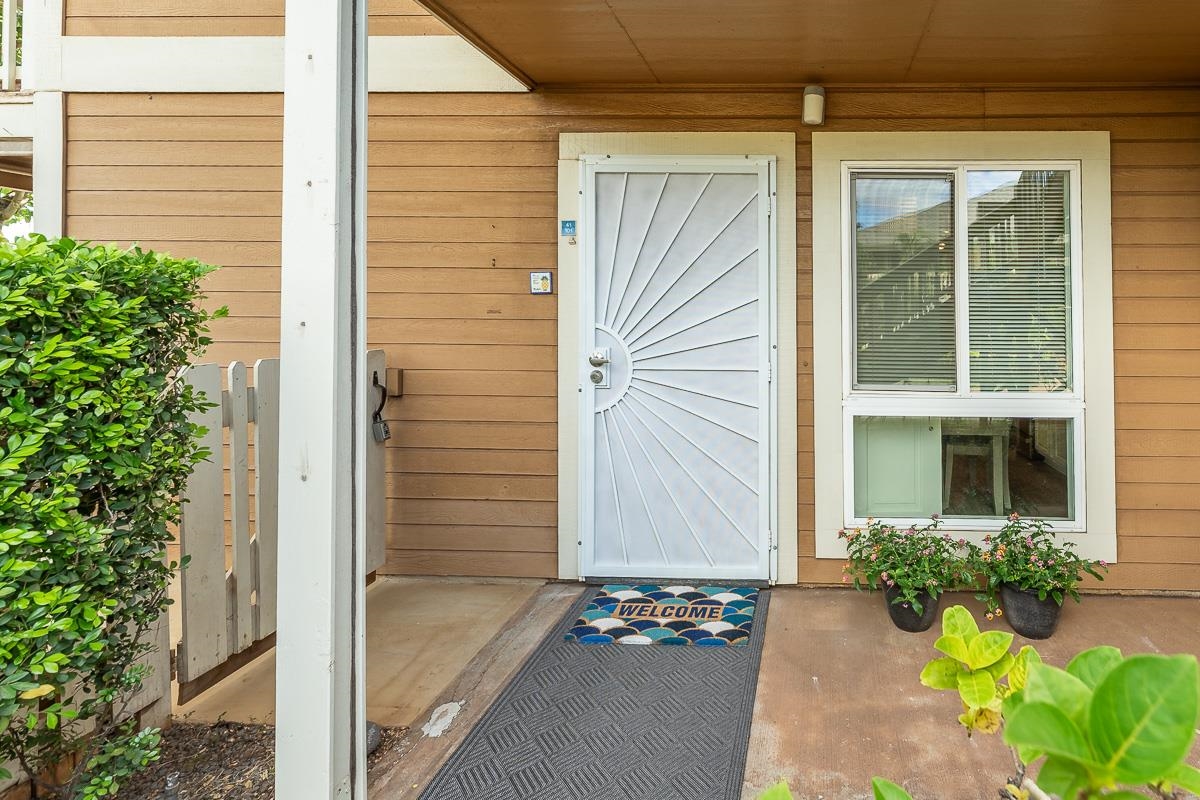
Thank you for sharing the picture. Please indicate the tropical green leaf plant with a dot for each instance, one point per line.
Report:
(1107, 727)
(979, 666)
(1027, 555)
(915, 563)
(95, 448)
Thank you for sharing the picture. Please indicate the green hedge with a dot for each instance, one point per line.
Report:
(95, 449)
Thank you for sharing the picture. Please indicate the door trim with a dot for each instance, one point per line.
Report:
(783, 442)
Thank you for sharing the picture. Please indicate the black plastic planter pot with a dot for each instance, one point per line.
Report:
(907, 619)
(1029, 616)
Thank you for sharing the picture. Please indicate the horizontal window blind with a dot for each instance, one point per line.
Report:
(1019, 268)
(904, 280)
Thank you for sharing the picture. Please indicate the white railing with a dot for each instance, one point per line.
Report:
(225, 611)
(9, 44)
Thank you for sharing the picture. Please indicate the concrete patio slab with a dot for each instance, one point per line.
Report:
(405, 771)
(839, 698)
(421, 633)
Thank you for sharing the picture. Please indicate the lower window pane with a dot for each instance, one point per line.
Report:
(964, 467)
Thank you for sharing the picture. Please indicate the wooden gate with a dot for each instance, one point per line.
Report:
(229, 612)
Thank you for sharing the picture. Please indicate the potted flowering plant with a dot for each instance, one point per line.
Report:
(1029, 573)
(912, 565)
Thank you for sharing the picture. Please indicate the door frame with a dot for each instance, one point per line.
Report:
(663, 149)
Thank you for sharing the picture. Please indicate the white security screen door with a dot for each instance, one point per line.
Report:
(675, 372)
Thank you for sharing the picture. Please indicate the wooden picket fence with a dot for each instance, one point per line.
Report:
(228, 611)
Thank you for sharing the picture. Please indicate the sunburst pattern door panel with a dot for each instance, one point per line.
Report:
(676, 437)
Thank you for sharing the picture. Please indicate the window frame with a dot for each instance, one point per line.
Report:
(961, 401)
(961, 284)
(1089, 152)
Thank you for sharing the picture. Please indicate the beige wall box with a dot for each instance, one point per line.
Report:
(395, 382)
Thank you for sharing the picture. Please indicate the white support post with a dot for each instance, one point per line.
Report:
(41, 46)
(49, 162)
(41, 74)
(320, 708)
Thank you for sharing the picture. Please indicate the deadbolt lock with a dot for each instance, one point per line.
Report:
(597, 376)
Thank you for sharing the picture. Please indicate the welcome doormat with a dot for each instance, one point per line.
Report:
(612, 723)
(704, 616)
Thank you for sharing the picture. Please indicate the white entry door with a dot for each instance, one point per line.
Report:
(675, 369)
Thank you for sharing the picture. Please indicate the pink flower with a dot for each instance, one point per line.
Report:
(891, 583)
(935, 516)
(1103, 563)
(1014, 516)
(962, 542)
(874, 556)
(845, 579)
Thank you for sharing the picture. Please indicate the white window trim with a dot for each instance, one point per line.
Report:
(961, 286)
(834, 155)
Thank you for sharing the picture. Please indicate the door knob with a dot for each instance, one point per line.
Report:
(599, 357)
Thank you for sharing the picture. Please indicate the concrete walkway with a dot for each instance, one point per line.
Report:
(421, 633)
(840, 700)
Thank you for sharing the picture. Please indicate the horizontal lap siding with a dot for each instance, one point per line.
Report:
(1156, 304)
(458, 226)
(462, 206)
(471, 486)
(226, 18)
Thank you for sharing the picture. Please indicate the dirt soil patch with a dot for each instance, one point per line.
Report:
(221, 760)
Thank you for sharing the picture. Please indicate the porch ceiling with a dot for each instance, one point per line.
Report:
(773, 42)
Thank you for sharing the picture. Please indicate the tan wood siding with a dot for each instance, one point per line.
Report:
(462, 206)
(226, 18)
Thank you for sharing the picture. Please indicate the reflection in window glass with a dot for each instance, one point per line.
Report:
(1019, 270)
(904, 280)
(978, 467)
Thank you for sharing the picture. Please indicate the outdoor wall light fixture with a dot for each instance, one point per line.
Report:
(813, 112)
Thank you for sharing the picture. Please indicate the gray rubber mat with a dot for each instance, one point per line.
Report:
(612, 722)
